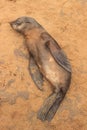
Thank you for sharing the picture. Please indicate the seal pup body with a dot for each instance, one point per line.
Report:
(46, 60)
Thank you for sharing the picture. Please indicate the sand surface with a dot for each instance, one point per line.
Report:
(66, 21)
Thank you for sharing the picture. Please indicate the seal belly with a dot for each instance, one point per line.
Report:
(53, 72)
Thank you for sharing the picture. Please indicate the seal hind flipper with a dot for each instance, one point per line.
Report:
(35, 73)
(42, 113)
(58, 55)
(55, 106)
(50, 106)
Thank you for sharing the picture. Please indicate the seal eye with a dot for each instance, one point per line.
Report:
(18, 23)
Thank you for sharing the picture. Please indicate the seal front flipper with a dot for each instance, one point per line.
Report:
(35, 73)
(58, 54)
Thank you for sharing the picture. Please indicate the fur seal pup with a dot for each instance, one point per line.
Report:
(47, 60)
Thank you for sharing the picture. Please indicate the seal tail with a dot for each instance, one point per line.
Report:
(51, 105)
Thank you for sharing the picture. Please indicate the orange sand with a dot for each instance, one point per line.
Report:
(66, 21)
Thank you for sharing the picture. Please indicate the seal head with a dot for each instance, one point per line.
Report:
(24, 24)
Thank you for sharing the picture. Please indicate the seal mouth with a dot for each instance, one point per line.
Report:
(11, 23)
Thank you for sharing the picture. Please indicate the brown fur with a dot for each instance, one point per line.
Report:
(47, 59)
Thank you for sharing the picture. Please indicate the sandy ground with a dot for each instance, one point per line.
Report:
(66, 21)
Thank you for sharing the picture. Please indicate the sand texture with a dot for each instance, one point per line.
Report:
(66, 21)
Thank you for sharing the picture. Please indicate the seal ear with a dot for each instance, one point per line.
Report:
(58, 54)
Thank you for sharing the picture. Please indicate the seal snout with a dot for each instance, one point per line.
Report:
(11, 23)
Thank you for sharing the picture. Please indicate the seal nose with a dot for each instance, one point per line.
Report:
(11, 23)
